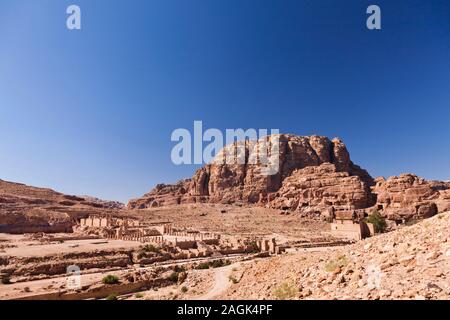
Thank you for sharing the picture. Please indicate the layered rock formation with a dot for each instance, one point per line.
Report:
(319, 169)
(315, 176)
(409, 196)
(25, 209)
(319, 188)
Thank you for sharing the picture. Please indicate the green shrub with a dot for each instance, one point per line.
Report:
(174, 276)
(379, 223)
(138, 295)
(202, 266)
(285, 291)
(6, 280)
(150, 248)
(110, 279)
(178, 268)
(112, 296)
(147, 249)
(184, 289)
(217, 263)
(254, 247)
(340, 262)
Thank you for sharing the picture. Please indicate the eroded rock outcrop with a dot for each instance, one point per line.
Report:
(319, 188)
(408, 197)
(221, 182)
(315, 176)
(26, 209)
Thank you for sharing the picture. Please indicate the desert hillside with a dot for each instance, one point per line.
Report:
(410, 263)
(30, 209)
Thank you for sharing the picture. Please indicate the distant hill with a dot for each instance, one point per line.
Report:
(26, 209)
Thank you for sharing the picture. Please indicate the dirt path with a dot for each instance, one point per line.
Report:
(221, 283)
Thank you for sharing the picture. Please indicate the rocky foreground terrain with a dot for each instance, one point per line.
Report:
(410, 263)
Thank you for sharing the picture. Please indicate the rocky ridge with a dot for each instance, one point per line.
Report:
(220, 182)
(409, 196)
(26, 209)
(316, 177)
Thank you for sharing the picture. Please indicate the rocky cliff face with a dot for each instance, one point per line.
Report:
(316, 176)
(409, 196)
(315, 166)
(322, 189)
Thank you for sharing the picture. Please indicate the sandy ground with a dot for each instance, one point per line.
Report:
(199, 285)
(26, 248)
(221, 282)
(238, 221)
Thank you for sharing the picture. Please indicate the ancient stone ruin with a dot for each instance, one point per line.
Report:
(192, 243)
(350, 224)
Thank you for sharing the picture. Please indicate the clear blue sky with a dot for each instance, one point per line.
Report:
(92, 111)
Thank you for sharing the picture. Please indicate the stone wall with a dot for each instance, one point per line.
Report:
(352, 230)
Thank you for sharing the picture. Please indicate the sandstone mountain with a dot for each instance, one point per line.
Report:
(316, 176)
(242, 183)
(26, 209)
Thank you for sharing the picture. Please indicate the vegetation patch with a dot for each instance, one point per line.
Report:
(174, 276)
(379, 223)
(213, 264)
(202, 266)
(285, 291)
(110, 279)
(220, 263)
(150, 248)
(112, 296)
(340, 262)
(178, 268)
(6, 280)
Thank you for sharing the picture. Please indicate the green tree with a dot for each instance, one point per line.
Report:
(379, 223)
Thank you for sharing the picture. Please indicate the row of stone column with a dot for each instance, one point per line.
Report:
(143, 239)
(195, 236)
